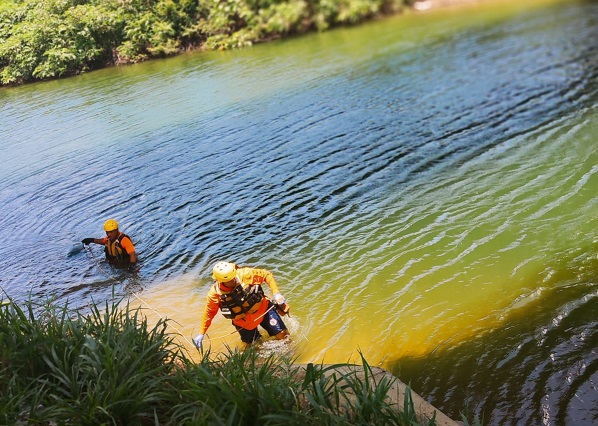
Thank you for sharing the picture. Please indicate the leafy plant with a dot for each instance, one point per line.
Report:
(42, 39)
(105, 366)
(109, 366)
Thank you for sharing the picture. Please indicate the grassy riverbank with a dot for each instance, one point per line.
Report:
(109, 366)
(43, 39)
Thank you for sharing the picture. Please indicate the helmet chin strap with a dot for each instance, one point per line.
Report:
(237, 282)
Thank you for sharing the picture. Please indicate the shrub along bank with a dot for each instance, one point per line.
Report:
(42, 39)
(109, 367)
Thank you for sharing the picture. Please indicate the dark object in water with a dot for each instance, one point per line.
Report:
(75, 249)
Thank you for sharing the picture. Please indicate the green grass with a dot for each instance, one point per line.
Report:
(108, 366)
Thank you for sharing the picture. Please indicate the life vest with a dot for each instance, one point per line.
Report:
(240, 300)
(115, 253)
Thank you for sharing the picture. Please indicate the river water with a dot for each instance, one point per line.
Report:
(423, 188)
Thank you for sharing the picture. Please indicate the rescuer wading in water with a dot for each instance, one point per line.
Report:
(119, 249)
(239, 295)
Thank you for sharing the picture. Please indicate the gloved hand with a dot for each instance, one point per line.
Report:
(283, 309)
(197, 341)
(132, 267)
(87, 240)
(279, 299)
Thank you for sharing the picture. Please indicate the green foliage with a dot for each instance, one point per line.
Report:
(284, 18)
(41, 39)
(353, 11)
(55, 38)
(337, 394)
(337, 12)
(103, 367)
(239, 388)
(108, 366)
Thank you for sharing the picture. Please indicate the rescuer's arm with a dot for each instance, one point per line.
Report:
(263, 275)
(210, 311)
(127, 244)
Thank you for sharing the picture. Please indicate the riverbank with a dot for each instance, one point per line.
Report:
(396, 392)
(51, 39)
(45, 40)
(110, 366)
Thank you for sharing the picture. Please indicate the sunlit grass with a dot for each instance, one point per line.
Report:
(109, 366)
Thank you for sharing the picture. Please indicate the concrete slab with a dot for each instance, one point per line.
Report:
(396, 394)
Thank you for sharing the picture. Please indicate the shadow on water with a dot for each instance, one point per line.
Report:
(546, 351)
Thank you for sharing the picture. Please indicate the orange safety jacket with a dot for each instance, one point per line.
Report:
(119, 250)
(247, 277)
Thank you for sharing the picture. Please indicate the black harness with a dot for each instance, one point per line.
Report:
(239, 301)
(121, 258)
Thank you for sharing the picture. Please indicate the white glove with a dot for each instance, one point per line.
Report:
(279, 299)
(197, 340)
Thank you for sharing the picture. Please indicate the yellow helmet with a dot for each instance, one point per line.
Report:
(224, 271)
(110, 225)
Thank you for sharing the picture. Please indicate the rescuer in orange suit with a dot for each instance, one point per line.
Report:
(239, 295)
(119, 249)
